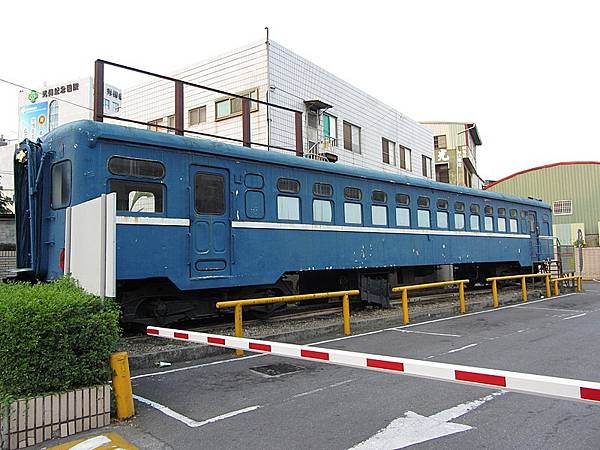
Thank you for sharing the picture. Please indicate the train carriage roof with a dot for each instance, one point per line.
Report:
(98, 131)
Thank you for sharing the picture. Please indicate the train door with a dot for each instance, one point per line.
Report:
(534, 233)
(210, 223)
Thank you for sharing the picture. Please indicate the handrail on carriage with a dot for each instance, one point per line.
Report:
(523, 278)
(239, 304)
(404, 290)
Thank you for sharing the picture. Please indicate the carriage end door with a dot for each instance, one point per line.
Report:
(534, 233)
(210, 223)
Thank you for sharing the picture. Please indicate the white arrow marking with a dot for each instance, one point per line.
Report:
(414, 428)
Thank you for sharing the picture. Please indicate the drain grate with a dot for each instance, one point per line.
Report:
(276, 370)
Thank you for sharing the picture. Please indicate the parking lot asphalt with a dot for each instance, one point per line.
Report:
(268, 402)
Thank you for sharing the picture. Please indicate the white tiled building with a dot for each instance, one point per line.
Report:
(338, 118)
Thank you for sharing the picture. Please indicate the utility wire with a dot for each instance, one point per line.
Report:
(54, 98)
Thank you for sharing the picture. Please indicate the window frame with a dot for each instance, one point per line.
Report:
(245, 93)
(388, 148)
(66, 162)
(405, 156)
(152, 161)
(362, 219)
(224, 209)
(331, 210)
(193, 110)
(285, 191)
(351, 143)
(375, 207)
(142, 187)
(319, 194)
(404, 208)
(562, 206)
(299, 201)
(426, 166)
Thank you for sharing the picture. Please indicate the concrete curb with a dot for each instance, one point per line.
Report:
(426, 312)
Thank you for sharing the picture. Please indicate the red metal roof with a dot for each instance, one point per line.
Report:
(565, 163)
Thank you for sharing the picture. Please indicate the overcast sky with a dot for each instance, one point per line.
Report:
(526, 72)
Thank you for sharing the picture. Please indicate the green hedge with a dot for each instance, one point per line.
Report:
(53, 337)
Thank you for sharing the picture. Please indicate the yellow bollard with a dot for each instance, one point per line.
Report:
(556, 288)
(548, 290)
(346, 313)
(239, 331)
(579, 288)
(495, 293)
(121, 385)
(524, 289)
(461, 298)
(405, 306)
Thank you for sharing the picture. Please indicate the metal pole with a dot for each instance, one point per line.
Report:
(461, 297)
(298, 125)
(246, 122)
(98, 91)
(524, 288)
(102, 246)
(239, 331)
(405, 306)
(548, 290)
(556, 288)
(495, 293)
(346, 314)
(179, 108)
(121, 383)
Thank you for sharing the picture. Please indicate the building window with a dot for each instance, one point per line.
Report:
(137, 196)
(442, 219)
(388, 151)
(61, 184)
(330, 129)
(210, 193)
(197, 115)
(154, 125)
(405, 158)
(562, 207)
(442, 173)
(322, 211)
(426, 160)
(106, 105)
(423, 218)
(171, 124)
(232, 106)
(115, 106)
(53, 122)
(439, 142)
(351, 137)
(379, 215)
(132, 167)
(353, 213)
(402, 217)
(288, 208)
(459, 221)
(468, 177)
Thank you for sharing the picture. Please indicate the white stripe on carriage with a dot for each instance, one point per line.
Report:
(319, 227)
(139, 220)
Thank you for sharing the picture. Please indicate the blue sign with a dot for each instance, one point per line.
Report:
(33, 120)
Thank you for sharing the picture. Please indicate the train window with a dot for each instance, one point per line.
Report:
(379, 215)
(442, 219)
(513, 213)
(322, 211)
(459, 221)
(546, 217)
(402, 199)
(501, 212)
(255, 204)
(502, 224)
(137, 196)
(423, 218)
(474, 221)
(288, 208)
(352, 193)
(379, 196)
(488, 223)
(209, 193)
(323, 189)
(442, 203)
(423, 202)
(402, 217)
(61, 184)
(523, 214)
(353, 213)
(254, 181)
(488, 210)
(288, 185)
(132, 167)
(513, 225)
(474, 208)
(459, 206)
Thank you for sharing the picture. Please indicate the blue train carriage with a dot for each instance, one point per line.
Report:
(200, 221)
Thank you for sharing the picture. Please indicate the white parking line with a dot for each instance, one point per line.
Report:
(314, 391)
(462, 348)
(191, 422)
(427, 332)
(572, 317)
(551, 309)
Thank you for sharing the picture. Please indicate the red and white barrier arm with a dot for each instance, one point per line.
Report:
(563, 388)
